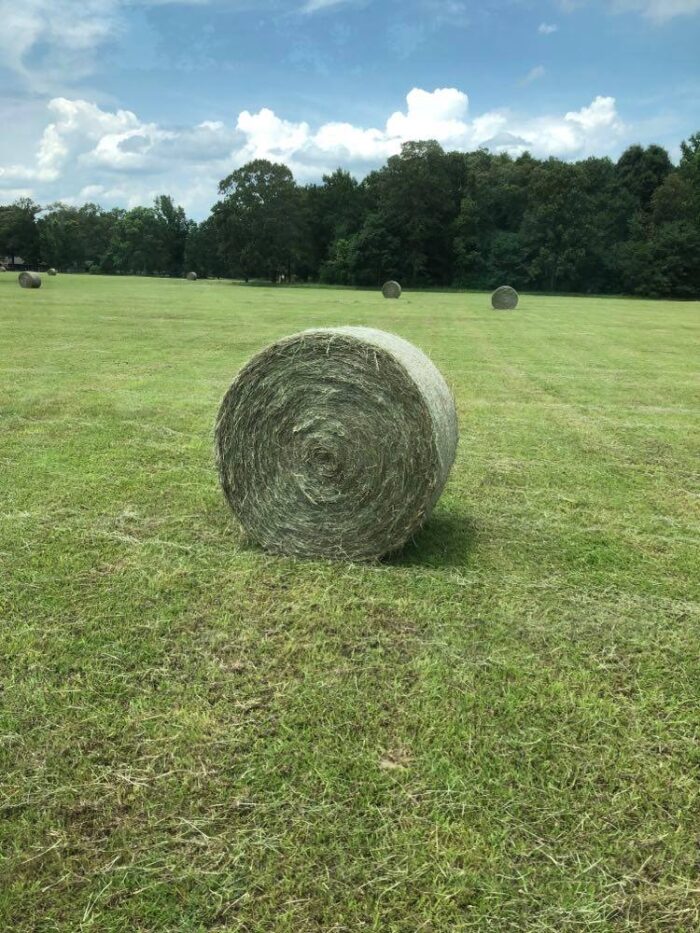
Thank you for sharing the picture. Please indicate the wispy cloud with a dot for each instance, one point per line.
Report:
(534, 74)
(546, 29)
(659, 11)
(313, 6)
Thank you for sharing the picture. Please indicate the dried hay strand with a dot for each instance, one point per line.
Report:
(51, 272)
(336, 443)
(391, 290)
(191, 276)
(29, 280)
(505, 298)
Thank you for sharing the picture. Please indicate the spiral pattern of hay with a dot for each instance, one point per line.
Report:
(192, 276)
(51, 272)
(505, 298)
(336, 443)
(391, 290)
(29, 280)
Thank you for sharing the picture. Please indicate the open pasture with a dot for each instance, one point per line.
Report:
(497, 729)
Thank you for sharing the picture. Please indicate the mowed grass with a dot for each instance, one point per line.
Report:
(496, 730)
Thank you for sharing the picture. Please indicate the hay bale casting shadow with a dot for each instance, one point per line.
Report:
(336, 443)
(391, 290)
(29, 280)
(504, 298)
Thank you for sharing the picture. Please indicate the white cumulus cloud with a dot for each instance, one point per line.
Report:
(88, 152)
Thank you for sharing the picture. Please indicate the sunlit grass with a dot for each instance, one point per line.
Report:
(496, 730)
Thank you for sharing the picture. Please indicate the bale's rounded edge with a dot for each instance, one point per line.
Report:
(29, 280)
(335, 443)
(505, 298)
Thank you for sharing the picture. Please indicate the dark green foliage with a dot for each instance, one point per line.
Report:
(261, 221)
(426, 218)
(18, 231)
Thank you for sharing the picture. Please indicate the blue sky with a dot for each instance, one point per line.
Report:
(118, 100)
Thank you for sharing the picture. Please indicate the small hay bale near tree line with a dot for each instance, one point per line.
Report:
(505, 298)
(29, 280)
(51, 272)
(336, 443)
(391, 290)
(191, 276)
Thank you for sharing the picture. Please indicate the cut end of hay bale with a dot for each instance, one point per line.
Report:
(336, 443)
(505, 298)
(51, 272)
(391, 290)
(191, 276)
(29, 280)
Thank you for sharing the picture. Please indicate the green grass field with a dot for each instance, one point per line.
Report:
(496, 730)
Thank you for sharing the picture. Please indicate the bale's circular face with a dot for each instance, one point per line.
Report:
(192, 276)
(326, 447)
(29, 280)
(505, 298)
(391, 290)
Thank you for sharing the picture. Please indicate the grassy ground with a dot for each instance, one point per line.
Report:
(497, 730)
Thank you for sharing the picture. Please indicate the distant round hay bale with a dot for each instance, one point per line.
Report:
(29, 280)
(192, 276)
(51, 272)
(505, 298)
(336, 443)
(2, 268)
(391, 290)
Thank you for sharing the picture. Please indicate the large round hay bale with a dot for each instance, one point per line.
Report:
(336, 443)
(192, 276)
(52, 272)
(391, 290)
(29, 280)
(505, 298)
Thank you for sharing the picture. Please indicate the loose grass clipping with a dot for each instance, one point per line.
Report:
(29, 280)
(391, 290)
(52, 272)
(336, 443)
(505, 298)
(192, 276)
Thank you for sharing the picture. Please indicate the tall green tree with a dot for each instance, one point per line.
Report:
(261, 221)
(19, 233)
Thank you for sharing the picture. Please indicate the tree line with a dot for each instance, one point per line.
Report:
(426, 218)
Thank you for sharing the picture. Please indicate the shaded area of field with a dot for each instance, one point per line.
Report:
(494, 730)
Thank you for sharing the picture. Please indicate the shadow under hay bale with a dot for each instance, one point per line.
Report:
(505, 298)
(391, 290)
(191, 276)
(29, 280)
(336, 443)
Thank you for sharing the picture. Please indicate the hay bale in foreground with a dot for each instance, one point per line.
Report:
(192, 276)
(336, 443)
(52, 272)
(29, 280)
(391, 290)
(505, 298)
